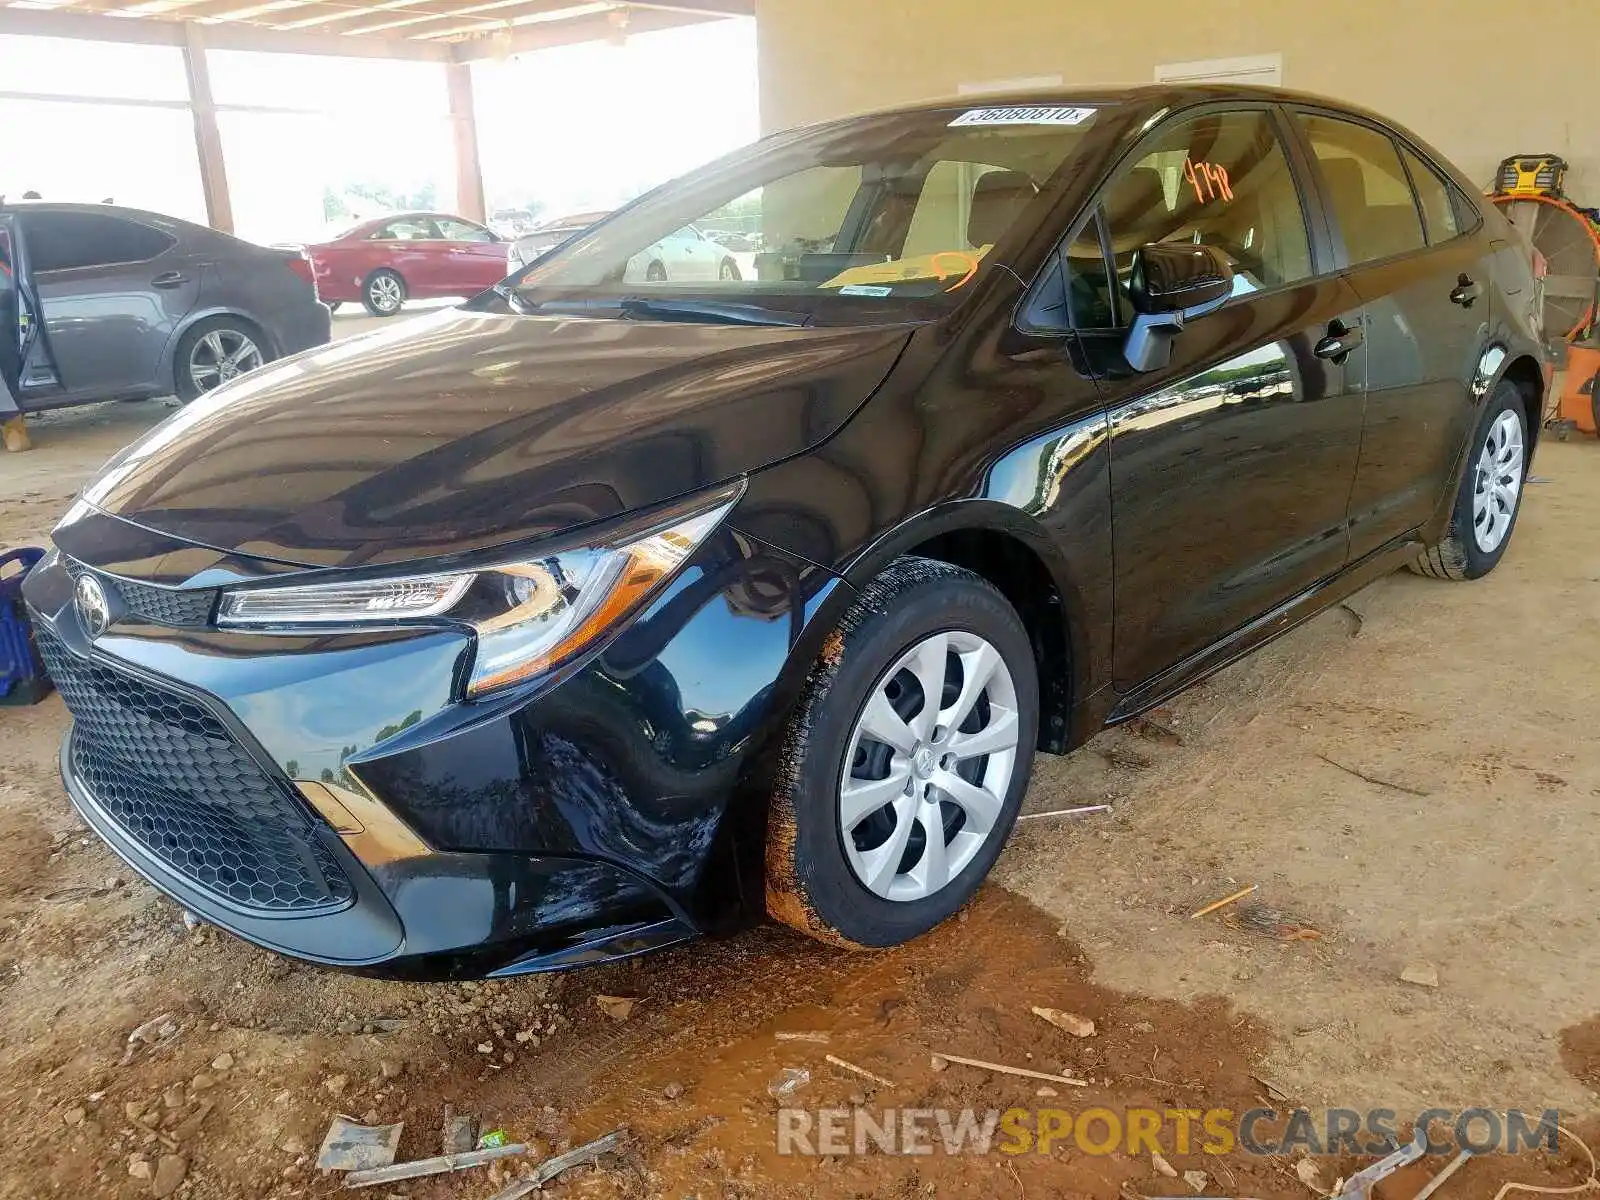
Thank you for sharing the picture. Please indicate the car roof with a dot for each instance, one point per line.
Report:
(112, 210)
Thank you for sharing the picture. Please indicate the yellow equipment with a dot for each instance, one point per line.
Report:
(1532, 175)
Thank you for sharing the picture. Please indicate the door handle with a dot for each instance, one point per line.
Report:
(1466, 290)
(1340, 341)
(169, 279)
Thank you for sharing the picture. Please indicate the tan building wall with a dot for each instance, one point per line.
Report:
(1479, 79)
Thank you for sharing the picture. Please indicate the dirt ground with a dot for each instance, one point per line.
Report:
(1412, 778)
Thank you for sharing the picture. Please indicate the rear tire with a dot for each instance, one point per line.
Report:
(728, 272)
(214, 352)
(849, 855)
(383, 293)
(1489, 496)
(656, 272)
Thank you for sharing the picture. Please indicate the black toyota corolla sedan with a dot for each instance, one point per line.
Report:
(606, 610)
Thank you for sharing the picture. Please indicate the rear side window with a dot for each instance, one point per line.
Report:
(63, 241)
(1438, 207)
(408, 229)
(1219, 180)
(1367, 188)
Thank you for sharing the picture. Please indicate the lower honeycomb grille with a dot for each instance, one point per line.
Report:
(171, 775)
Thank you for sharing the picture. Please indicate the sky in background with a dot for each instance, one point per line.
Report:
(575, 128)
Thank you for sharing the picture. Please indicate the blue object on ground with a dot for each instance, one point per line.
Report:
(22, 677)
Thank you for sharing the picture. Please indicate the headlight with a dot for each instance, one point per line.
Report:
(529, 615)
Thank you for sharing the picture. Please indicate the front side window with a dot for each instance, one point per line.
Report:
(63, 241)
(463, 231)
(1367, 188)
(1218, 180)
(902, 207)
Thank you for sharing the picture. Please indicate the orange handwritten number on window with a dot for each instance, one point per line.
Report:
(1209, 181)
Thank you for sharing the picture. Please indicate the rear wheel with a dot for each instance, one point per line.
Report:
(384, 293)
(1489, 497)
(728, 271)
(656, 272)
(906, 759)
(214, 352)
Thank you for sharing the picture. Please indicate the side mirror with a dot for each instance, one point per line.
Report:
(1171, 283)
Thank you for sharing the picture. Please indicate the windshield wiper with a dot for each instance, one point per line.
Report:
(710, 311)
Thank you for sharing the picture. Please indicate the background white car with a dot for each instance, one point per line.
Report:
(687, 256)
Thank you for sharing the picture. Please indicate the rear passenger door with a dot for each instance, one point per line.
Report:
(1420, 261)
(1231, 467)
(112, 291)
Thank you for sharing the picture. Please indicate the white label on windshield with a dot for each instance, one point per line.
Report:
(1025, 115)
(865, 289)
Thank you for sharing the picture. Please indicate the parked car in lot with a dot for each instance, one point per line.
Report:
(682, 256)
(106, 303)
(385, 261)
(604, 611)
(547, 237)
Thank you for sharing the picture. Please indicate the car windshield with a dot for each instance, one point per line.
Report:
(854, 216)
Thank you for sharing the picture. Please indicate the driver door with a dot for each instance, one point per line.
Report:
(26, 364)
(1231, 466)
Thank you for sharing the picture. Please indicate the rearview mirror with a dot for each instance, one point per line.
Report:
(1170, 283)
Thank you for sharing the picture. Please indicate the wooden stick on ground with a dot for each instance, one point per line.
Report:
(1002, 1069)
(430, 1166)
(551, 1167)
(855, 1070)
(1224, 902)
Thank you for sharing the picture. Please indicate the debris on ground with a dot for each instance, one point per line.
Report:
(788, 1081)
(170, 1170)
(855, 1070)
(1078, 1027)
(1423, 974)
(348, 1146)
(152, 1033)
(1274, 1091)
(1276, 923)
(1375, 780)
(1450, 1168)
(802, 1035)
(459, 1132)
(1308, 1173)
(1081, 811)
(672, 1091)
(1359, 1185)
(1002, 1069)
(1126, 756)
(1162, 1166)
(551, 1167)
(1356, 620)
(1223, 903)
(494, 1139)
(1196, 1180)
(1153, 730)
(440, 1165)
(618, 1008)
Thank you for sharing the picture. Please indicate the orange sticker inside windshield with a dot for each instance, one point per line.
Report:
(1209, 181)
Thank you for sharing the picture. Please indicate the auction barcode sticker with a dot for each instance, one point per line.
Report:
(1025, 115)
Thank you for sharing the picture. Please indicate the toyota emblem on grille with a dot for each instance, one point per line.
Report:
(94, 609)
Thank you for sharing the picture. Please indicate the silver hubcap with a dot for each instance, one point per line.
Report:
(1497, 482)
(385, 293)
(221, 355)
(928, 766)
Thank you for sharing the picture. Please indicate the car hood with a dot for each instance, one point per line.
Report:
(466, 430)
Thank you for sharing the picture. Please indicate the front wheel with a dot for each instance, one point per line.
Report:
(905, 761)
(1489, 496)
(384, 293)
(728, 272)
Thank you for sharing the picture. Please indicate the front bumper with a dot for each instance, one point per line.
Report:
(584, 820)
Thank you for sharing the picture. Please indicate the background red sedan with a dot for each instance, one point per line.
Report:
(385, 261)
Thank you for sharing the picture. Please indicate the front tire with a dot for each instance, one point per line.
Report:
(383, 293)
(728, 272)
(1489, 496)
(890, 810)
(656, 272)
